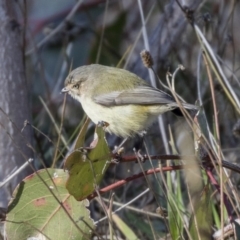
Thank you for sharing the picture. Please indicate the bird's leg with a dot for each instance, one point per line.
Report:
(118, 149)
(103, 124)
(138, 146)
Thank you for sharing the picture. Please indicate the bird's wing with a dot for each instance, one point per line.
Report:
(141, 95)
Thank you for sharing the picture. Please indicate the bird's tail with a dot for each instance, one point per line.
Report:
(190, 106)
(193, 108)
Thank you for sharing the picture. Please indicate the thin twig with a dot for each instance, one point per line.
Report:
(136, 176)
(16, 172)
(53, 121)
(102, 33)
(123, 205)
(57, 29)
(218, 140)
(152, 79)
(59, 134)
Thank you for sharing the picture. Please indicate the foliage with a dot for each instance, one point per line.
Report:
(188, 177)
(42, 208)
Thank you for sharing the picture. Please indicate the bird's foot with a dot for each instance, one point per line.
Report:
(139, 156)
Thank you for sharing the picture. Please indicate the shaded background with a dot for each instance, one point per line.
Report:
(54, 38)
(111, 35)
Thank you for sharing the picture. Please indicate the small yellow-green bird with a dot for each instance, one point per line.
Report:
(118, 97)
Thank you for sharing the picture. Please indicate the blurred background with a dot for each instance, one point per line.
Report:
(110, 33)
(57, 36)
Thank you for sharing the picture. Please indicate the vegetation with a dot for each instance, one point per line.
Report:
(187, 185)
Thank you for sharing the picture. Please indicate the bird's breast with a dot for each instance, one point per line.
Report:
(124, 121)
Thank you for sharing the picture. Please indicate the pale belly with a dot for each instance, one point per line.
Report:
(124, 121)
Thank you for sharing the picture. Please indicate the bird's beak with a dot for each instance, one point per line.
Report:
(65, 90)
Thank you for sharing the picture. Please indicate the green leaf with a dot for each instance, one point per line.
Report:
(174, 207)
(124, 228)
(87, 166)
(201, 219)
(34, 212)
(142, 226)
(81, 136)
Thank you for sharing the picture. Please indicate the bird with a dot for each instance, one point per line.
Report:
(124, 101)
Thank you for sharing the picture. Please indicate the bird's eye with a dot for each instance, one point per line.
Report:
(76, 86)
